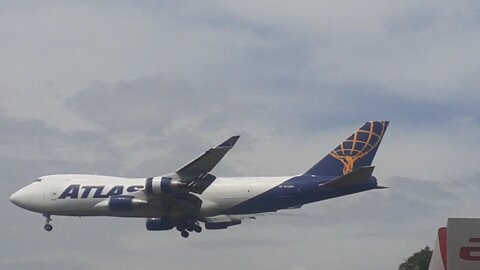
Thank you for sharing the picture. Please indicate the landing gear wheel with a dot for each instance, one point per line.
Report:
(197, 229)
(184, 234)
(48, 227)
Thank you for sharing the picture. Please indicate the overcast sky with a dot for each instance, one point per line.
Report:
(138, 88)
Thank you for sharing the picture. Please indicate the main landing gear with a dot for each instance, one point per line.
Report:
(187, 227)
(47, 225)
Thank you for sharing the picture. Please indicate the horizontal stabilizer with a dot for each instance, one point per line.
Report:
(358, 177)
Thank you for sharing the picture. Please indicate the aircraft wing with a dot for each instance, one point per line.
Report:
(360, 176)
(202, 165)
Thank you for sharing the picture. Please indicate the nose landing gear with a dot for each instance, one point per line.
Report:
(47, 225)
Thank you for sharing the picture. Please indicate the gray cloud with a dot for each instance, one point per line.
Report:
(138, 89)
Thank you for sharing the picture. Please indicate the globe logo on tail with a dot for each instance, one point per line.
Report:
(362, 142)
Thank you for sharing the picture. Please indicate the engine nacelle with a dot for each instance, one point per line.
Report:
(158, 185)
(159, 224)
(120, 203)
(221, 225)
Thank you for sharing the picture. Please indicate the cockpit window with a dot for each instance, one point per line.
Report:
(38, 180)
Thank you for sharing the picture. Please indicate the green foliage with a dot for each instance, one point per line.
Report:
(418, 261)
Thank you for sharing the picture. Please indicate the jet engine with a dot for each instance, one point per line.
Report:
(158, 224)
(123, 203)
(120, 203)
(221, 225)
(158, 185)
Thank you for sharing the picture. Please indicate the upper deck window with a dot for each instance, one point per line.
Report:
(38, 180)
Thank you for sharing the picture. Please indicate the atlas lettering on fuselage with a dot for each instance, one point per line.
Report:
(73, 191)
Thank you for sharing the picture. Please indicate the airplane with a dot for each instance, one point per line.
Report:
(192, 195)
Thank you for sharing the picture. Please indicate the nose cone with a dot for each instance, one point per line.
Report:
(20, 198)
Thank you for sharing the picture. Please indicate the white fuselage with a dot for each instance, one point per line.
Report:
(87, 195)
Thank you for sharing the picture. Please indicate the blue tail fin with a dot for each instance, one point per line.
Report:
(356, 151)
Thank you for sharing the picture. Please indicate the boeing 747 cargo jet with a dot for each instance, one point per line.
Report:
(191, 194)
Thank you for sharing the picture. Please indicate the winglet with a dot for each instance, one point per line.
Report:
(230, 142)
